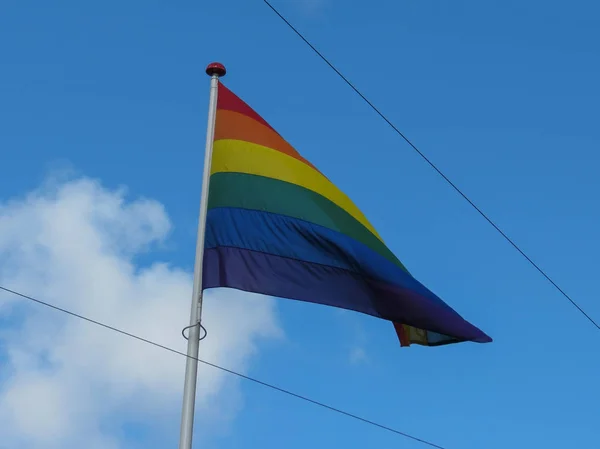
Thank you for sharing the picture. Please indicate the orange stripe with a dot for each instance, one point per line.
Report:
(231, 102)
(235, 126)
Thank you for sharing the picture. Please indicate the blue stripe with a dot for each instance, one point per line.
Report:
(300, 240)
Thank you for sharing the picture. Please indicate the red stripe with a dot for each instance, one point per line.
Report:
(231, 102)
(402, 336)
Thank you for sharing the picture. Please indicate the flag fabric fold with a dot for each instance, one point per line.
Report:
(277, 226)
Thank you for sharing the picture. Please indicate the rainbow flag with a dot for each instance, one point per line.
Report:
(277, 226)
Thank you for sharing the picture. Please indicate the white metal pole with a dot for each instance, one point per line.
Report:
(215, 71)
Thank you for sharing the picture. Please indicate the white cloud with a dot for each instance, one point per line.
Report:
(358, 355)
(66, 383)
(310, 7)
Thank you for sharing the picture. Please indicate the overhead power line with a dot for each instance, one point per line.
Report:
(229, 371)
(432, 165)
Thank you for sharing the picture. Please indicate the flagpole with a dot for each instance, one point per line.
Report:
(215, 71)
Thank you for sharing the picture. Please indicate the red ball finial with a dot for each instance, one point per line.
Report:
(216, 68)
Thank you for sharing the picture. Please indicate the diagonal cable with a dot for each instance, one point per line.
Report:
(243, 376)
(432, 165)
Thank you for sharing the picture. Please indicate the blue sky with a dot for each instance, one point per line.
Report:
(502, 96)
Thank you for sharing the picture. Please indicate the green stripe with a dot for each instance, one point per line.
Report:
(271, 195)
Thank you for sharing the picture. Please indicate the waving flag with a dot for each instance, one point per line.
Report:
(277, 226)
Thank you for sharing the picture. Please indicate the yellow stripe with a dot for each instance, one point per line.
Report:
(244, 157)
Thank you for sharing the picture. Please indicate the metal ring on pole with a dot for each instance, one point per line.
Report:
(194, 325)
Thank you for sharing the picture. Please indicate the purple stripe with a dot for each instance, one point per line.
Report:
(282, 277)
